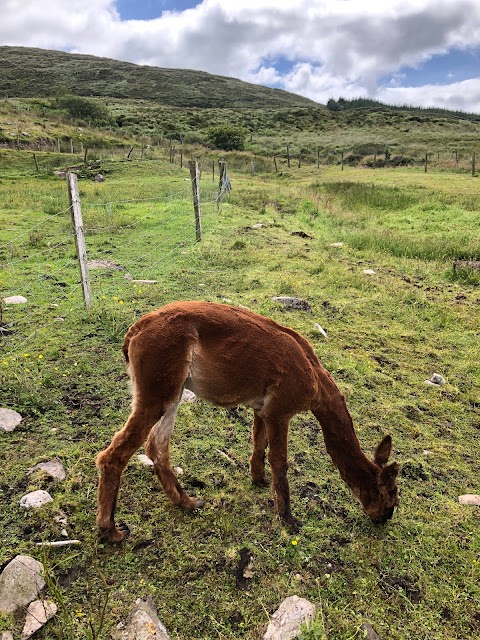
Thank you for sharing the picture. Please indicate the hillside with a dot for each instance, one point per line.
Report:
(28, 72)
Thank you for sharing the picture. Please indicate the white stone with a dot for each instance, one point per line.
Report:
(369, 272)
(188, 396)
(35, 499)
(143, 624)
(178, 471)
(287, 620)
(320, 329)
(336, 244)
(20, 582)
(438, 379)
(9, 419)
(39, 612)
(469, 499)
(15, 300)
(144, 459)
(52, 468)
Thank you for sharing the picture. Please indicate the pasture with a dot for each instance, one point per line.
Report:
(61, 367)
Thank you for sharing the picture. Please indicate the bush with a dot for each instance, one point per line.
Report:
(227, 137)
(84, 108)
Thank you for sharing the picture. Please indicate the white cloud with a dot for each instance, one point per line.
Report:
(336, 47)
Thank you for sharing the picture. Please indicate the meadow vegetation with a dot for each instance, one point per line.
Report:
(61, 367)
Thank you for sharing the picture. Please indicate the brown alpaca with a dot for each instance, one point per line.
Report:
(229, 356)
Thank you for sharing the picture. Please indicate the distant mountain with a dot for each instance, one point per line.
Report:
(28, 72)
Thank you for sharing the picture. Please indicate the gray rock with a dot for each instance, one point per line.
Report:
(38, 613)
(469, 499)
(9, 419)
(52, 468)
(369, 632)
(20, 582)
(142, 624)
(287, 620)
(35, 499)
(438, 379)
(369, 272)
(293, 303)
(99, 177)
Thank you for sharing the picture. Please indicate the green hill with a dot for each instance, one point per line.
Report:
(29, 73)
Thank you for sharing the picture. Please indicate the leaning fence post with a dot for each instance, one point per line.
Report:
(193, 164)
(77, 223)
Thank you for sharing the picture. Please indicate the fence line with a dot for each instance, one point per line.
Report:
(151, 251)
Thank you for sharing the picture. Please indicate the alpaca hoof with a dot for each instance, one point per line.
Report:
(293, 524)
(191, 504)
(115, 534)
(260, 482)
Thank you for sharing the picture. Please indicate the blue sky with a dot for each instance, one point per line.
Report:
(422, 52)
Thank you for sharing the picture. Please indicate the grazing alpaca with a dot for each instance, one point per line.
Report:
(229, 356)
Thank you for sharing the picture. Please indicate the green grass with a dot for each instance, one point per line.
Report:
(417, 576)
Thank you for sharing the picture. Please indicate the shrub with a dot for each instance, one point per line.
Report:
(84, 108)
(227, 137)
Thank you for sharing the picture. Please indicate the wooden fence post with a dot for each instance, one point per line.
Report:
(193, 165)
(85, 156)
(426, 162)
(288, 156)
(252, 165)
(77, 223)
(36, 162)
(275, 164)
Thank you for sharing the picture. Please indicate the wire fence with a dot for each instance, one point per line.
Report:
(130, 243)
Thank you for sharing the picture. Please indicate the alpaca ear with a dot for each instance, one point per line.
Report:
(388, 474)
(382, 452)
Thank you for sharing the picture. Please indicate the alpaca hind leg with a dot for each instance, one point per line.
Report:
(113, 460)
(257, 459)
(158, 450)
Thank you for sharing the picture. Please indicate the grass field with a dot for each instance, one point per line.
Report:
(418, 576)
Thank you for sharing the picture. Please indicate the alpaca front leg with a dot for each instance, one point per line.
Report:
(277, 434)
(158, 450)
(111, 464)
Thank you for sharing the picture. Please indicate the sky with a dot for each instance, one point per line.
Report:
(416, 52)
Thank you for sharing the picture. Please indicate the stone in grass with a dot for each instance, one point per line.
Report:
(369, 632)
(469, 499)
(52, 468)
(9, 419)
(142, 624)
(38, 613)
(145, 460)
(287, 620)
(293, 303)
(15, 300)
(188, 396)
(20, 582)
(35, 499)
(369, 272)
(336, 244)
